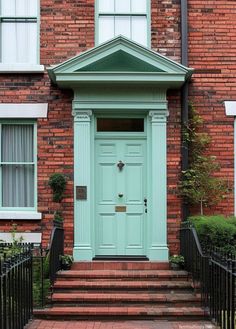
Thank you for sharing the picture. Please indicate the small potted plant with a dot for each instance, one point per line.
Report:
(66, 262)
(176, 262)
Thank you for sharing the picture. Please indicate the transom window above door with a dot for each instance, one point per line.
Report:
(120, 125)
(123, 17)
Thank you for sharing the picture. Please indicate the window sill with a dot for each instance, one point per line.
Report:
(21, 68)
(20, 215)
(28, 237)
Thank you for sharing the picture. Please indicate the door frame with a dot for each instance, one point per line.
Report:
(84, 137)
(128, 136)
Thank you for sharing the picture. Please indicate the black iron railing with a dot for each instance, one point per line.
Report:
(56, 249)
(16, 300)
(27, 272)
(41, 281)
(214, 273)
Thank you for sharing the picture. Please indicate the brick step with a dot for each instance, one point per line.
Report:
(87, 285)
(124, 298)
(123, 274)
(120, 265)
(107, 312)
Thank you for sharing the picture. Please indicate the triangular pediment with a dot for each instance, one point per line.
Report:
(119, 60)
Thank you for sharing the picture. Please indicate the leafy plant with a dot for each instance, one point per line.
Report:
(57, 182)
(177, 259)
(16, 245)
(58, 217)
(198, 184)
(216, 231)
(66, 259)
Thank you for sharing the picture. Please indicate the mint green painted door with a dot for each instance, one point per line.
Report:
(120, 217)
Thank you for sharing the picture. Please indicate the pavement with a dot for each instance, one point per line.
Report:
(151, 324)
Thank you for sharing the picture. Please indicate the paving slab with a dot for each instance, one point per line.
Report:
(51, 324)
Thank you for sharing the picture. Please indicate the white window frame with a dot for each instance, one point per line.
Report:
(147, 14)
(34, 163)
(14, 113)
(23, 67)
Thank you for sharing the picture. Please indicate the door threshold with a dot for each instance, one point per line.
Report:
(121, 258)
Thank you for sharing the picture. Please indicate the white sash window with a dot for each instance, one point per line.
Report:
(19, 31)
(17, 170)
(123, 17)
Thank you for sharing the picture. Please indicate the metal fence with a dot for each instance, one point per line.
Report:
(16, 299)
(27, 273)
(214, 273)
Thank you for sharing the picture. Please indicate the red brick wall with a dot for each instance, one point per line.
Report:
(212, 52)
(67, 28)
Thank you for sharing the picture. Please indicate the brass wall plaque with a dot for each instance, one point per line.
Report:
(120, 209)
(81, 192)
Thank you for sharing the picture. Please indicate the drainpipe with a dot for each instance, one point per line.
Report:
(184, 92)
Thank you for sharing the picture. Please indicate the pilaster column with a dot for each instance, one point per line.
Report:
(158, 225)
(82, 178)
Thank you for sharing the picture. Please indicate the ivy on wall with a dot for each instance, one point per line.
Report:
(199, 185)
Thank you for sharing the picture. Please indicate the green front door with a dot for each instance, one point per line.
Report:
(120, 209)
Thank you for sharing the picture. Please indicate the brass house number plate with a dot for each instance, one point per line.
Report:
(120, 209)
(81, 192)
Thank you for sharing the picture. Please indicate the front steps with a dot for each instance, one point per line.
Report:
(123, 290)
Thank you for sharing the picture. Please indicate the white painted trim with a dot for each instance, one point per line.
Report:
(230, 107)
(23, 110)
(27, 237)
(21, 68)
(23, 215)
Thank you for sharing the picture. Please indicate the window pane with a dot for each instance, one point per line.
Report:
(106, 28)
(122, 6)
(19, 43)
(138, 6)
(115, 124)
(139, 30)
(19, 7)
(18, 186)
(122, 26)
(106, 6)
(17, 143)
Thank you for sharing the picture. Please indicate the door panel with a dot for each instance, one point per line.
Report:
(119, 213)
(133, 183)
(134, 234)
(107, 232)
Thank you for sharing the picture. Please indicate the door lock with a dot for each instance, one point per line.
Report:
(120, 195)
(145, 204)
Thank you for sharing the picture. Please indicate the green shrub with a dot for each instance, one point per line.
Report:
(57, 182)
(217, 231)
